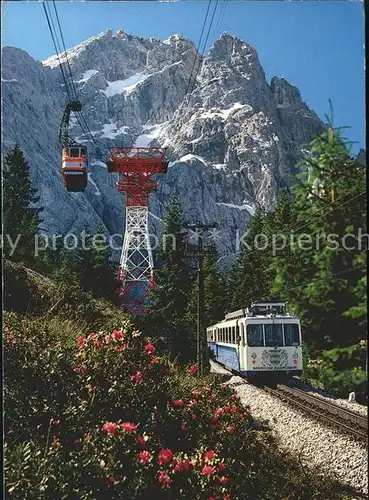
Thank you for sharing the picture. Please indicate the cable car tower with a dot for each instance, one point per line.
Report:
(136, 166)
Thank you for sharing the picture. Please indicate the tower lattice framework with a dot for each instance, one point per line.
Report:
(136, 166)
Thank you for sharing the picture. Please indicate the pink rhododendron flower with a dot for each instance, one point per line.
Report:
(196, 394)
(149, 348)
(107, 339)
(184, 465)
(145, 457)
(207, 470)
(137, 377)
(141, 441)
(178, 402)
(209, 455)
(83, 370)
(81, 341)
(111, 480)
(164, 478)
(227, 497)
(193, 369)
(128, 426)
(153, 360)
(165, 457)
(122, 348)
(118, 335)
(230, 429)
(110, 428)
(222, 466)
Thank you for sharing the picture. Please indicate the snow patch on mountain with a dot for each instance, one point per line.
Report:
(111, 131)
(99, 164)
(90, 179)
(224, 114)
(87, 75)
(249, 208)
(121, 86)
(150, 133)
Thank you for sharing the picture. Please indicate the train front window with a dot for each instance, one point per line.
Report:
(273, 335)
(255, 336)
(291, 334)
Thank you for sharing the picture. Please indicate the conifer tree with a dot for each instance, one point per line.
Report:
(168, 301)
(215, 293)
(21, 214)
(329, 201)
(249, 276)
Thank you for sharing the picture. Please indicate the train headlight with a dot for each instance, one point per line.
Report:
(295, 355)
(253, 355)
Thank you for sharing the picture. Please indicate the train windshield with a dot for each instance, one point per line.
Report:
(255, 336)
(273, 335)
(291, 335)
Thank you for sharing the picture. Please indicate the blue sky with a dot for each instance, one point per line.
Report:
(317, 46)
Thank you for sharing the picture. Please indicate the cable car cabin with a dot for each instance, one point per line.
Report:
(74, 167)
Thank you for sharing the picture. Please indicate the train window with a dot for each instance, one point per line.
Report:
(291, 334)
(233, 334)
(255, 335)
(273, 335)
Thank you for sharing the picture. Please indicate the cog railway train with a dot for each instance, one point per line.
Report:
(263, 341)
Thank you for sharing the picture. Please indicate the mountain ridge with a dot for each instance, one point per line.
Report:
(232, 139)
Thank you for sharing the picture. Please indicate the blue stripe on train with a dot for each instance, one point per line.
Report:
(226, 354)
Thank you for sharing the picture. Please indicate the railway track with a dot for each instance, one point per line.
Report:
(325, 411)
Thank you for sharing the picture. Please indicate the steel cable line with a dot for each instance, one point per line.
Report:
(329, 204)
(221, 15)
(65, 52)
(360, 266)
(57, 50)
(198, 48)
(317, 211)
(203, 50)
(84, 127)
(187, 101)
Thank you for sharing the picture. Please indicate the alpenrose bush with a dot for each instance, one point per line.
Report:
(113, 419)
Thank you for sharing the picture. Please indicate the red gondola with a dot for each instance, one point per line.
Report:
(74, 167)
(74, 156)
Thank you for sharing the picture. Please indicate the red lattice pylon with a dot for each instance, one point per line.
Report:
(136, 166)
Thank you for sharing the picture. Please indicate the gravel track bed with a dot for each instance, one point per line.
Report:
(353, 406)
(311, 441)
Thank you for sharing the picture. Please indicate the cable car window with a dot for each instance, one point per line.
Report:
(242, 334)
(255, 335)
(291, 334)
(233, 334)
(273, 335)
(74, 152)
